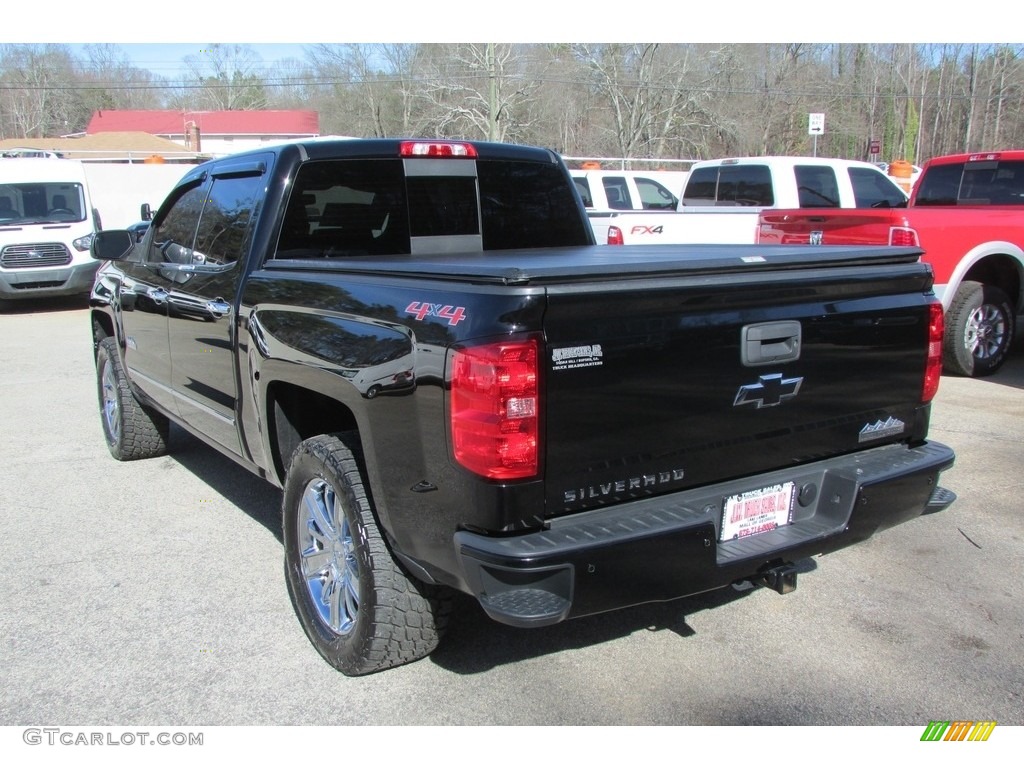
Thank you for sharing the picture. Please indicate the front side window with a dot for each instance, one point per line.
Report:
(226, 224)
(654, 196)
(175, 233)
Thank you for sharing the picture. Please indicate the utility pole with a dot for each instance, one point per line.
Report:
(492, 96)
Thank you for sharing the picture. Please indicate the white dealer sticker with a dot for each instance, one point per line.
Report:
(586, 356)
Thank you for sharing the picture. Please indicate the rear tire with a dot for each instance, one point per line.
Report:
(131, 430)
(360, 609)
(979, 330)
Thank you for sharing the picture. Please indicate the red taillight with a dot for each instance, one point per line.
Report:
(904, 236)
(436, 149)
(614, 236)
(495, 409)
(933, 368)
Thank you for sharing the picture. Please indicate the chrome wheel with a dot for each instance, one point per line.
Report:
(111, 404)
(327, 553)
(986, 332)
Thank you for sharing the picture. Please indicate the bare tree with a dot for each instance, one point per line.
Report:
(477, 90)
(226, 77)
(37, 94)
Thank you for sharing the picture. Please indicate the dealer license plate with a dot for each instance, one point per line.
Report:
(765, 509)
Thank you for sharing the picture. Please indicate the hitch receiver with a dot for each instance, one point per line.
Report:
(781, 578)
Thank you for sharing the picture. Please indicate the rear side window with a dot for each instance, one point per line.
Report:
(816, 186)
(873, 189)
(617, 193)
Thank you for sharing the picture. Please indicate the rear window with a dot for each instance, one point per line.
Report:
(356, 208)
(988, 182)
(528, 205)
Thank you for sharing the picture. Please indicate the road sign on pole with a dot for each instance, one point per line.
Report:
(816, 127)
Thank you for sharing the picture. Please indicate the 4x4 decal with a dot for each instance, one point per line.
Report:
(421, 310)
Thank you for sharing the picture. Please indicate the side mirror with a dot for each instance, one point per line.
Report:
(112, 244)
(145, 212)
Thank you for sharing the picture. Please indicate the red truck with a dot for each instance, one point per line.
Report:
(965, 212)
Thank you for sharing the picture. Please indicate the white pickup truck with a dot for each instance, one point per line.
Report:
(608, 191)
(723, 199)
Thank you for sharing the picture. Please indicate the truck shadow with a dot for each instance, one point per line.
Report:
(474, 643)
(1011, 374)
(39, 306)
(256, 497)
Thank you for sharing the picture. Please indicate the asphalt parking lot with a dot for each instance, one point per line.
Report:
(152, 593)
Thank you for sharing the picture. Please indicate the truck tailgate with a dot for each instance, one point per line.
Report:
(855, 226)
(661, 384)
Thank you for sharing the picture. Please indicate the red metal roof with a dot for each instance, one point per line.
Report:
(172, 122)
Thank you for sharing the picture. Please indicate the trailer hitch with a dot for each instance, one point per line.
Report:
(781, 578)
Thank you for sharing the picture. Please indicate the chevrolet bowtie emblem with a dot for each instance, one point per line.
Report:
(769, 391)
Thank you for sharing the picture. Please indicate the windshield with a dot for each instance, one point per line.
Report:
(50, 202)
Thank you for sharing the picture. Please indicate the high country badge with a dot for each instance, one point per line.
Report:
(880, 429)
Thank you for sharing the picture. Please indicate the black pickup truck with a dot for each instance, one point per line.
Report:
(456, 389)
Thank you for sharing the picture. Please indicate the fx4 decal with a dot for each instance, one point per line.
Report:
(639, 229)
(421, 310)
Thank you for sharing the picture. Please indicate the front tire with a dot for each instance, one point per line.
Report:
(979, 330)
(131, 430)
(360, 609)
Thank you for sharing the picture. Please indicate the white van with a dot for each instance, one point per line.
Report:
(46, 226)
